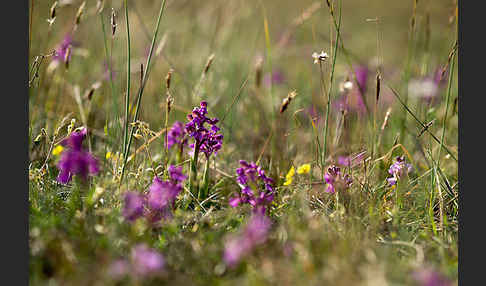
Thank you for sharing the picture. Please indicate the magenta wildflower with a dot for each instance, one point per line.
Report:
(143, 262)
(352, 100)
(440, 79)
(398, 169)
(314, 114)
(277, 77)
(257, 229)
(256, 187)
(134, 205)
(336, 180)
(234, 202)
(392, 181)
(344, 161)
(234, 250)
(176, 174)
(176, 135)
(362, 78)
(208, 141)
(75, 140)
(159, 200)
(146, 261)
(162, 194)
(254, 233)
(76, 161)
(429, 277)
(61, 50)
(351, 160)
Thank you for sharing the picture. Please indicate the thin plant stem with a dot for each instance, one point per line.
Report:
(127, 96)
(451, 74)
(144, 81)
(110, 68)
(420, 122)
(203, 191)
(326, 124)
(321, 163)
(408, 65)
(193, 173)
(166, 134)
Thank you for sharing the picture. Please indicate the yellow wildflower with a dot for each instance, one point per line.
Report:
(303, 169)
(57, 150)
(289, 176)
(108, 155)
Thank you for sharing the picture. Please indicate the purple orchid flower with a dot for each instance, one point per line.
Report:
(336, 180)
(208, 141)
(254, 233)
(159, 200)
(256, 187)
(134, 205)
(176, 135)
(398, 169)
(146, 261)
(76, 161)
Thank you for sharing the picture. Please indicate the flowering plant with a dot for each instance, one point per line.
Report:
(75, 160)
(256, 187)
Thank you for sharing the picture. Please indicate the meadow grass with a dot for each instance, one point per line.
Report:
(382, 107)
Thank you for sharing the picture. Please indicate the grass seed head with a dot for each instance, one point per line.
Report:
(378, 84)
(67, 56)
(208, 63)
(287, 100)
(90, 92)
(258, 71)
(331, 9)
(113, 22)
(385, 121)
(79, 14)
(52, 14)
(100, 4)
(168, 78)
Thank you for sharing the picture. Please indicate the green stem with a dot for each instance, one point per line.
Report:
(166, 137)
(110, 70)
(406, 78)
(321, 163)
(420, 122)
(193, 172)
(144, 81)
(127, 97)
(193, 175)
(326, 124)
(203, 191)
(451, 74)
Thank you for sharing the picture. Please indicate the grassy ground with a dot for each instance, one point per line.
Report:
(244, 58)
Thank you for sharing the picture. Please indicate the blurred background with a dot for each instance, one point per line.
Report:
(244, 58)
(234, 31)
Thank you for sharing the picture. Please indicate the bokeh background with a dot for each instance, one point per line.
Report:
(261, 52)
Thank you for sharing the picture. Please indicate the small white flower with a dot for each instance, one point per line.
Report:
(319, 57)
(345, 86)
(422, 88)
(348, 84)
